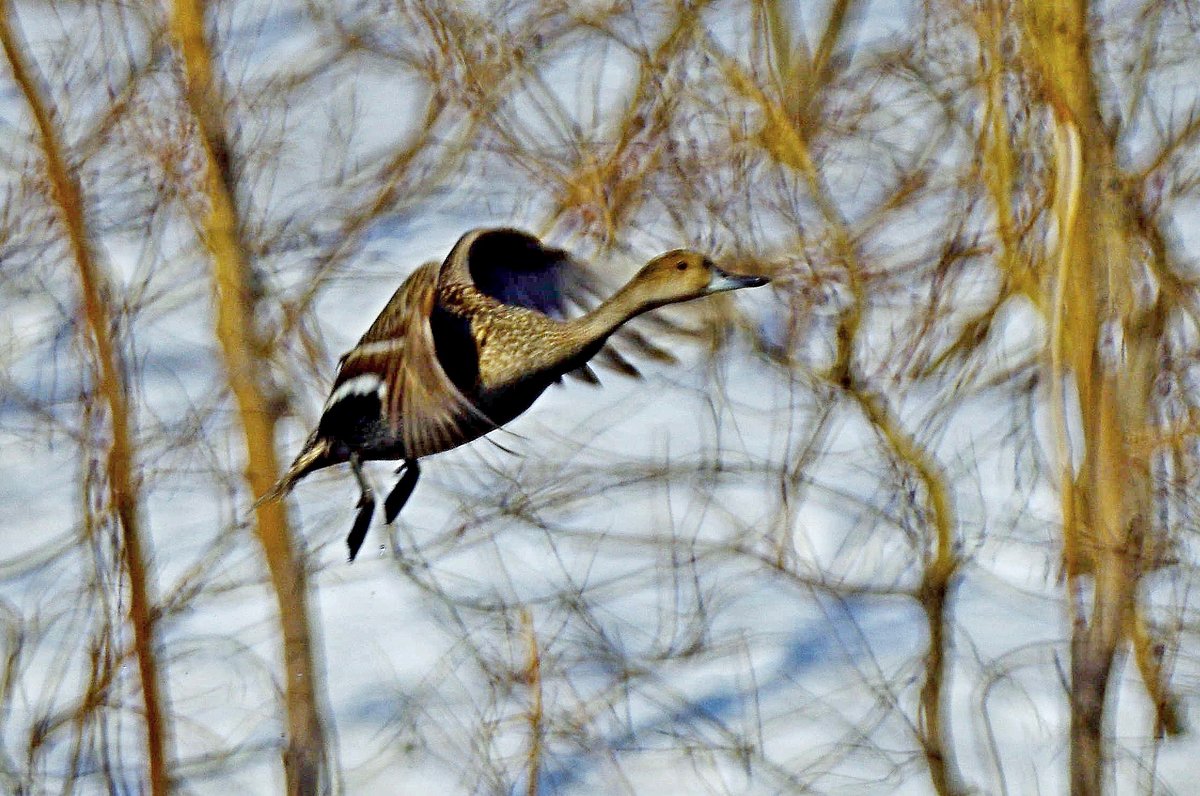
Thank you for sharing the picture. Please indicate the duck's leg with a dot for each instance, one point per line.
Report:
(402, 491)
(366, 508)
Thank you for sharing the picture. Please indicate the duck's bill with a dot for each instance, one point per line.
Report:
(723, 280)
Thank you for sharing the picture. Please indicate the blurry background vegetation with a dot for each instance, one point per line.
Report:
(918, 518)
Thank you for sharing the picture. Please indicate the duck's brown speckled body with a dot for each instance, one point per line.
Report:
(465, 347)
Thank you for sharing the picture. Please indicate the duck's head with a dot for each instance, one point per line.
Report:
(682, 275)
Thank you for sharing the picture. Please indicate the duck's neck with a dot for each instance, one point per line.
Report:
(600, 323)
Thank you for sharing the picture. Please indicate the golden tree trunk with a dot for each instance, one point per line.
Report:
(244, 351)
(122, 481)
(1104, 339)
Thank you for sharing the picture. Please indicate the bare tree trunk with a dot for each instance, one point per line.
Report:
(1105, 339)
(122, 482)
(245, 350)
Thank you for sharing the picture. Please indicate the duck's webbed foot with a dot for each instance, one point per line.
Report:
(366, 508)
(402, 491)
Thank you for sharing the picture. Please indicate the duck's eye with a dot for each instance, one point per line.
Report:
(681, 265)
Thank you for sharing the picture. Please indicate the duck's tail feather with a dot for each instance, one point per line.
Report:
(314, 456)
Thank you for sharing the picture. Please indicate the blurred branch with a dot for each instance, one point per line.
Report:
(935, 593)
(1107, 334)
(788, 140)
(1149, 655)
(244, 349)
(358, 221)
(606, 185)
(802, 78)
(533, 678)
(122, 481)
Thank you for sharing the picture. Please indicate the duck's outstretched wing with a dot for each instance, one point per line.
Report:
(514, 267)
(394, 372)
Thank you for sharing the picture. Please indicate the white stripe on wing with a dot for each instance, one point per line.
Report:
(389, 346)
(363, 384)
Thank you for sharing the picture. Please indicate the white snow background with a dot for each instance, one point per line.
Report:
(638, 524)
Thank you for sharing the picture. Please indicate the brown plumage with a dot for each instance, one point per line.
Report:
(465, 347)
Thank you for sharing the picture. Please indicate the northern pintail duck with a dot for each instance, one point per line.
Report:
(464, 347)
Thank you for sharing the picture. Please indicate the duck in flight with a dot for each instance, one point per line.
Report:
(464, 347)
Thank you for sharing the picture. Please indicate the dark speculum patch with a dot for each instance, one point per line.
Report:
(456, 349)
